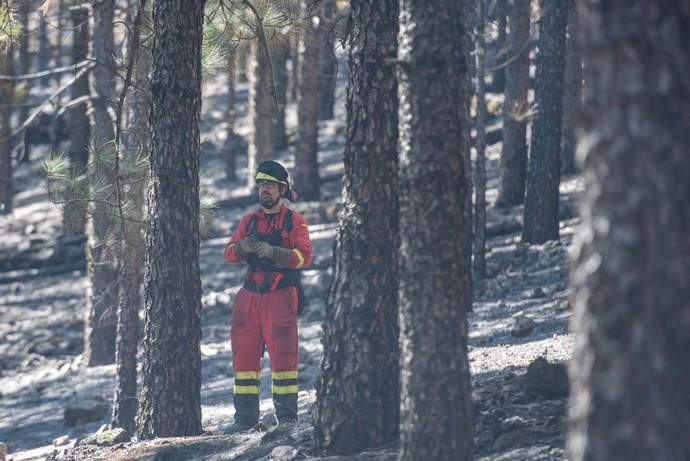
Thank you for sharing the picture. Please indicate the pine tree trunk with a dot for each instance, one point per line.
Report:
(480, 169)
(293, 81)
(137, 143)
(102, 294)
(358, 394)
(7, 97)
(24, 58)
(260, 110)
(306, 157)
(74, 214)
(280, 71)
(170, 402)
(436, 406)
(500, 12)
(513, 167)
(44, 48)
(230, 148)
(572, 94)
(540, 221)
(631, 294)
(327, 60)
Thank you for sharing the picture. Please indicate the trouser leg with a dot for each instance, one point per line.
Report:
(247, 343)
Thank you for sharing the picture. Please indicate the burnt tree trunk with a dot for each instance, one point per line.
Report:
(306, 161)
(102, 293)
(572, 93)
(327, 62)
(513, 164)
(170, 403)
(631, 289)
(500, 14)
(434, 290)
(540, 221)
(260, 110)
(479, 260)
(280, 141)
(358, 393)
(7, 97)
(230, 148)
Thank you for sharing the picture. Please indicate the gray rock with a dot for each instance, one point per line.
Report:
(284, 453)
(523, 326)
(548, 379)
(88, 439)
(85, 412)
(112, 437)
(510, 440)
(60, 441)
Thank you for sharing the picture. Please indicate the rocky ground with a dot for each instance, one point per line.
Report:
(519, 336)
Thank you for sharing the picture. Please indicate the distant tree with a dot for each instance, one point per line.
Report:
(170, 401)
(260, 110)
(279, 55)
(306, 172)
(513, 164)
(500, 15)
(45, 50)
(327, 62)
(631, 292)
(102, 293)
(479, 260)
(357, 403)
(7, 89)
(572, 93)
(540, 222)
(230, 148)
(434, 286)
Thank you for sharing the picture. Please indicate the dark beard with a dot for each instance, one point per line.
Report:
(268, 204)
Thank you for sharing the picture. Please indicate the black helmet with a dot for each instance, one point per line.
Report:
(270, 170)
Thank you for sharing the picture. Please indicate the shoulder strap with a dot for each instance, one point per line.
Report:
(287, 221)
(251, 226)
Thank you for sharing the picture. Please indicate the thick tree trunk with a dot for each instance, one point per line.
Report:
(280, 71)
(6, 96)
(327, 62)
(540, 221)
(101, 299)
(170, 403)
(513, 169)
(631, 289)
(306, 159)
(480, 168)
(436, 406)
(74, 214)
(260, 110)
(572, 93)
(137, 143)
(358, 394)
(230, 148)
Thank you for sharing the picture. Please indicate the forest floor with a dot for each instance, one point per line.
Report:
(520, 314)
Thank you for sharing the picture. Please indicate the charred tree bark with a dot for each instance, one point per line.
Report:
(358, 393)
(102, 294)
(6, 96)
(280, 141)
(540, 221)
(513, 167)
(170, 402)
(572, 94)
(479, 261)
(306, 160)
(230, 147)
(500, 14)
(44, 47)
(434, 290)
(631, 291)
(327, 62)
(260, 110)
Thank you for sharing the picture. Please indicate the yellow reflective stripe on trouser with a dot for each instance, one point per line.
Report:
(292, 389)
(246, 389)
(246, 375)
(285, 374)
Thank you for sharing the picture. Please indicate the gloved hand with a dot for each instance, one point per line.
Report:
(244, 247)
(263, 250)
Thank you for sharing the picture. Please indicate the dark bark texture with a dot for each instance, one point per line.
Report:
(279, 56)
(101, 300)
(170, 403)
(231, 144)
(572, 93)
(479, 260)
(513, 169)
(306, 160)
(7, 97)
(260, 110)
(358, 393)
(327, 62)
(631, 289)
(434, 289)
(540, 221)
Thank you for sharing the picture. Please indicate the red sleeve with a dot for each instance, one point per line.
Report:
(301, 253)
(240, 233)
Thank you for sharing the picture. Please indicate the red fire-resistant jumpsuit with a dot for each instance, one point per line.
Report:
(265, 312)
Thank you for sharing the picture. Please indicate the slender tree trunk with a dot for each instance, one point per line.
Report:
(572, 95)
(170, 402)
(499, 75)
(540, 221)
(513, 169)
(293, 81)
(101, 306)
(7, 97)
(137, 143)
(74, 214)
(480, 169)
(436, 406)
(260, 110)
(631, 294)
(230, 116)
(44, 47)
(358, 392)
(280, 71)
(327, 62)
(306, 158)
(24, 57)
